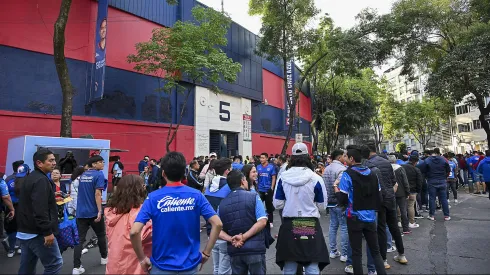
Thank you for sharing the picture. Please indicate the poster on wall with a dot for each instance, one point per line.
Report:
(289, 87)
(247, 128)
(98, 72)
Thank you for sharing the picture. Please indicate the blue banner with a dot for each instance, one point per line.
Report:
(290, 91)
(98, 72)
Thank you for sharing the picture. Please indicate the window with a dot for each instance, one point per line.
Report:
(464, 128)
(462, 109)
(476, 124)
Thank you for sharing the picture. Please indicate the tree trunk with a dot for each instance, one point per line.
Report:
(314, 135)
(171, 134)
(62, 69)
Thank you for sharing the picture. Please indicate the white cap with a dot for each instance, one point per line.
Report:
(213, 154)
(300, 149)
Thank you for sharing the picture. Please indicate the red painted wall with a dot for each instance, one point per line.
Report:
(304, 106)
(273, 87)
(140, 138)
(29, 25)
(262, 143)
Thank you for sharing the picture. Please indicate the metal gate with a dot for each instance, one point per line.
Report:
(225, 144)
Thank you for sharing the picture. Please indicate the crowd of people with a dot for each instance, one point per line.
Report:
(367, 195)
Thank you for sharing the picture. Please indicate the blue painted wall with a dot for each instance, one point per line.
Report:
(30, 84)
(270, 120)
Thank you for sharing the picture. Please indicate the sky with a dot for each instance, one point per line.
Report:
(343, 12)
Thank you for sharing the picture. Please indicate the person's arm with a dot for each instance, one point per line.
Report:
(342, 190)
(135, 234)
(320, 195)
(420, 180)
(41, 191)
(7, 201)
(279, 197)
(99, 186)
(204, 171)
(273, 180)
(447, 168)
(406, 185)
(261, 223)
(208, 213)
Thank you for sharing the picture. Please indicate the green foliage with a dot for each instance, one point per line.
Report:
(188, 52)
(391, 116)
(401, 147)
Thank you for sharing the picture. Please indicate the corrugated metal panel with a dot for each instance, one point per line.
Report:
(272, 67)
(157, 11)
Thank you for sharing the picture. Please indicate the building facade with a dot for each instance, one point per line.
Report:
(247, 118)
(468, 132)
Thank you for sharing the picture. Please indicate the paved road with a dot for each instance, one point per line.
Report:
(459, 246)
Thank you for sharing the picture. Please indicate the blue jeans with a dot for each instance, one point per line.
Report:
(33, 250)
(440, 191)
(290, 268)
(389, 238)
(157, 271)
(249, 264)
(221, 259)
(12, 238)
(338, 218)
(370, 260)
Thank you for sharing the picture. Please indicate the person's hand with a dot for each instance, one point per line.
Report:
(49, 240)
(238, 241)
(204, 259)
(146, 264)
(11, 215)
(99, 217)
(59, 199)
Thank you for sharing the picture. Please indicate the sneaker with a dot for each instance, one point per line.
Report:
(85, 250)
(448, 201)
(387, 266)
(19, 251)
(372, 273)
(272, 226)
(334, 255)
(349, 269)
(11, 254)
(406, 232)
(447, 218)
(400, 259)
(78, 271)
(413, 225)
(5, 244)
(343, 258)
(391, 249)
(449, 206)
(103, 261)
(431, 218)
(419, 217)
(455, 201)
(400, 224)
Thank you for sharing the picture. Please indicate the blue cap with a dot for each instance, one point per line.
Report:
(384, 151)
(22, 171)
(414, 153)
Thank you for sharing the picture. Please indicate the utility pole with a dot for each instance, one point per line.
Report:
(222, 6)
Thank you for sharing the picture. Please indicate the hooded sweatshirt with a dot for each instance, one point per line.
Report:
(122, 259)
(218, 190)
(436, 170)
(300, 193)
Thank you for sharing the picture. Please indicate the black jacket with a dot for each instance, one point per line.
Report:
(37, 212)
(193, 180)
(401, 178)
(387, 179)
(415, 178)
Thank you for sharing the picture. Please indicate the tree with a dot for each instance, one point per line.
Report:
(188, 52)
(284, 34)
(391, 115)
(401, 147)
(448, 39)
(62, 69)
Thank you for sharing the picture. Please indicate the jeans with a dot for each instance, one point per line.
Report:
(83, 226)
(338, 218)
(424, 194)
(387, 217)
(157, 271)
(411, 207)
(12, 238)
(221, 259)
(401, 202)
(370, 261)
(248, 264)
(267, 197)
(33, 250)
(389, 238)
(441, 192)
(291, 267)
(451, 183)
(357, 229)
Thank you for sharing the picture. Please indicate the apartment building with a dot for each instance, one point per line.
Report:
(468, 132)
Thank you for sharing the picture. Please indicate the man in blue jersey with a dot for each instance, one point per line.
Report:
(89, 211)
(359, 189)
(267, 183)
(175, 212)
(451, 179)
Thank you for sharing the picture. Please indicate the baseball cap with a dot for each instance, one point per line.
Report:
(22, 171)
(385, 151)
(213, 154)
(300, 149)
(414, 153)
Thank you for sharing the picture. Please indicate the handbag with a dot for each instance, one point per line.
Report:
(68, 232)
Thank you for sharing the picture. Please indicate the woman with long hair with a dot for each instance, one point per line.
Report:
(120, 213)
(250, 173)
